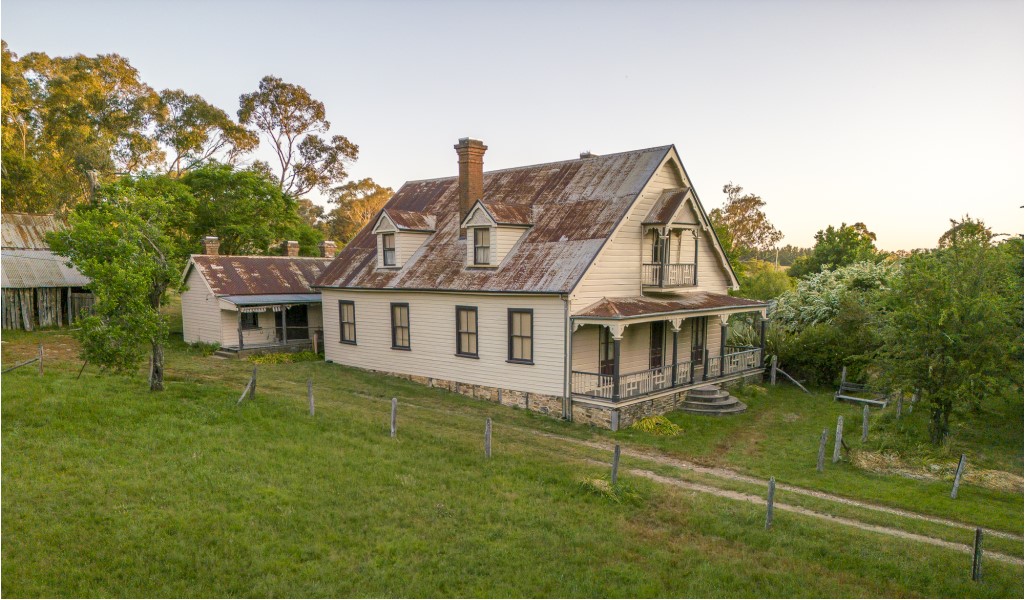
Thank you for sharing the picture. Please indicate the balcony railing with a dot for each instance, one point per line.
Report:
(642, 383)
(668, 275)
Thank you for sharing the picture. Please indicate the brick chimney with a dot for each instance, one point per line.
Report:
(291, 248)
(211, 245)
(328, 249)
(471, 175)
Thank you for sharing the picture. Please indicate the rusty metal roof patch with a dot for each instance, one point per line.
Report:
(38, 269)
(28, 232)
(667, 205)
(256, 275)
(638, 306)
(407, 220)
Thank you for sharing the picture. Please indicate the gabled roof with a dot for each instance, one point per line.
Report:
(636, 306)
(28, 232)
(666, 207)
(574, 207)
(248, 275)
(407, 220)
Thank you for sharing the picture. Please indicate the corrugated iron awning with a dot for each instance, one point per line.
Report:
(272, 299)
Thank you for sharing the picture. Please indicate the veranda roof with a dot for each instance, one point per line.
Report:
(648, 306)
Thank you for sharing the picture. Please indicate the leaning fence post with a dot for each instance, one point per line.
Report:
(40, 359)
(822, 450)
(394, 409)
(615, 465)
(772, 375)
(309, 393)
(957, 476)
(977, 557)
(864, 424)
(772, 496)
(252, 387)
(487, 438)
(839, 439)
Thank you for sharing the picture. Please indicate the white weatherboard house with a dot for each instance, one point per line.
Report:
(252, 304)
(591, 289)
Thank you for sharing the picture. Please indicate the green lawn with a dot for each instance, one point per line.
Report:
(109, 490)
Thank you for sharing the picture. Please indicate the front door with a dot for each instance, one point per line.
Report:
(296, 321)
(656, 348)
(606, 352)
(699, 332)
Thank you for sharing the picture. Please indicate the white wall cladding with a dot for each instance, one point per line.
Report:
(201, 319)
(433, 338)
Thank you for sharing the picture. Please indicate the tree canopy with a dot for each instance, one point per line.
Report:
(356, 204)
(837, 247)
(743, 224)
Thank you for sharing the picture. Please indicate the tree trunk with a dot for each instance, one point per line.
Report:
(156, 374)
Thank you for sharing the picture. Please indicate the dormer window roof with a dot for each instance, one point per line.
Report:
(666, 209)
(491, 214)
(392, 219)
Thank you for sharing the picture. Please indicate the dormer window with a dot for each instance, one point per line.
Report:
(482, 246)
(388, 249)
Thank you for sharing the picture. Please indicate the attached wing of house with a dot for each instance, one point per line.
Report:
(251, 303)
(581, 288)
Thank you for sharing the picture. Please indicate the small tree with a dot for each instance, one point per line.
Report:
(747, 229)
(358, 202)
(133, 244)
(953, 329)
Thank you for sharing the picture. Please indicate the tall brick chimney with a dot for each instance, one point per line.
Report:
(328, 249)
(211, 245)
(471, 175)
(291, 248)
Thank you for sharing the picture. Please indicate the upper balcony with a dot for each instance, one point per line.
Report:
(668, 275)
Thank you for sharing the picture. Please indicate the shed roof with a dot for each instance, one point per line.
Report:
(636, 306)
(249, 275)
(27, 232)
(37, 269)
(574, 207)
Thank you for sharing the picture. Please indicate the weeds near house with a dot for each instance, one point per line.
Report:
(657, 425)
(281, 358)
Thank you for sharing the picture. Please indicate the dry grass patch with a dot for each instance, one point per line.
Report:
(891, 463)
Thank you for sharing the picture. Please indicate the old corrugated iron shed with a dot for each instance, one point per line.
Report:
(28, 232)
(38, 269)
(26, 258)
(249, 275)
(573, 205)
(635, 306)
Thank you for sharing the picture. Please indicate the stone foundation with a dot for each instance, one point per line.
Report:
(587, 414)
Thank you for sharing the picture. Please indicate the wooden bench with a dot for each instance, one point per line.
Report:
(860, 393)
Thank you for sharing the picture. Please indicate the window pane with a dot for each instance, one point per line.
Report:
(472, 345)
(471, 321)
(528, 350)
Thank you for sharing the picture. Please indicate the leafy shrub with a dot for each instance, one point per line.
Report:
(656, 425)
(763, 281)
(279, 358)
(204, 348)
(621, 493)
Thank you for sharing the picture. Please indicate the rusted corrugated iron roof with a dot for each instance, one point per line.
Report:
(508, 214)
(637, 306)
(666, 206)
(245, 275)
(407, 220)
(28, 232)
(37, 269)
(574, 206)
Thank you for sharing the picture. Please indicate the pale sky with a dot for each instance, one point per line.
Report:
(900, 114)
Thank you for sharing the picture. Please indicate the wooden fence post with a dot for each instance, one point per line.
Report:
(252, 386)
(864, 424)
(839, 439)
(822, 450)
(315, 351)
(772, 375)
(957, 476)
(487, 438)
(772, 496)
(309, 393)
(394, 409)
(900, 405)
(40, 359)
(615, 465)
(977, 557)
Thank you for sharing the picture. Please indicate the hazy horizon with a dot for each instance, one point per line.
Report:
(901, 115)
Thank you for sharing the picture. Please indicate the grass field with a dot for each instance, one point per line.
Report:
(109, 490)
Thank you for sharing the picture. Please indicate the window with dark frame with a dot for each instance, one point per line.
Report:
(659, 245)
(388, 246)
(250, 320)
(521, 335)
(466, 331)
(481, 246)
(656, 350)
(400, 326)
(347, 319)
(606, 352)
